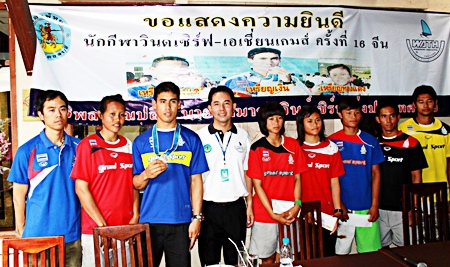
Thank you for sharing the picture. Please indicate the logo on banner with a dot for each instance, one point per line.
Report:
(425, 49)
(53, 34)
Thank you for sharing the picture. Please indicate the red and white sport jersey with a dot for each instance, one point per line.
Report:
(107, 168)
(276, 167)
(324, 162)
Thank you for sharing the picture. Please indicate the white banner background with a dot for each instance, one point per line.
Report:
(88, 72)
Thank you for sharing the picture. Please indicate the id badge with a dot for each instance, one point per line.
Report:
(224, 175)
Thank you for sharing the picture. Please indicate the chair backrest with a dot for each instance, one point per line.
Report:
(132, 241)
(428, 202)
(47, 251)
(305, 234)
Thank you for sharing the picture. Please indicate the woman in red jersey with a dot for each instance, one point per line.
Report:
(321, 181)
(103, 176)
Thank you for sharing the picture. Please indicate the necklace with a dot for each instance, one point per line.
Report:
(62, 141)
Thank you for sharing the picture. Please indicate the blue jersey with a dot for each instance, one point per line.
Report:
(52, 207)
(359, 153)
(167, 197)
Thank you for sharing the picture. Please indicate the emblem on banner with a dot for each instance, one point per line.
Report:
(53, 34)
(425, 49)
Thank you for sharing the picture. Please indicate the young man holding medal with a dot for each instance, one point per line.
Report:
(168, 161)
(225, 185)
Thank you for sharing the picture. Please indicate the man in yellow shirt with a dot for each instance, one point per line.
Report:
(433, 135)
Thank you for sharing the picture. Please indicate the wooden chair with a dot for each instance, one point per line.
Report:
(45, 251)
(430, 219)
(305, 234)
(132, 241)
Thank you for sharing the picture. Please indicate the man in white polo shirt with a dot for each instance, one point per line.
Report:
(227, 197)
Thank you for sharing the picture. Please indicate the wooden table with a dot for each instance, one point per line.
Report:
(371, 259)
(433, 254)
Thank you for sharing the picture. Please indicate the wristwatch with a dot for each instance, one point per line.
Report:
(338, 210)
(199, 217)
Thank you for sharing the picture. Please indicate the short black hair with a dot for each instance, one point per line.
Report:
(220, 88)
(159, 59)
(424, 89)
(382, 105)
(48, 95)
(348, 103)
(260, 50)
(329, 68)
(306, 112)
(166, 87)
(108, 99)
(267, 110)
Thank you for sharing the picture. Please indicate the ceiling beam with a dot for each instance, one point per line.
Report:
(19, 13)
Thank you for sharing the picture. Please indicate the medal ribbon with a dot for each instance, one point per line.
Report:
(174, 146)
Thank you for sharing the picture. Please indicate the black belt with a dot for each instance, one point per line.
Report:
(223, 204)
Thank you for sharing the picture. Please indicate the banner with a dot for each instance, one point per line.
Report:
(295, 55)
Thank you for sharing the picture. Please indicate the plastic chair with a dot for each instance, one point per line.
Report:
(305, 234)
(430, 219)
(45, 251)
(131, 241)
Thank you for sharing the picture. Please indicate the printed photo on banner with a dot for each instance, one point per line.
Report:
(339, 79)
(265, 75)
(262, 73)
(143, 77)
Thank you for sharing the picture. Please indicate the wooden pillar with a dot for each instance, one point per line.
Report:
(20, 16)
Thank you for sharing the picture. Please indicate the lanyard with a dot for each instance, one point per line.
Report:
(224, 151)
(174, 146)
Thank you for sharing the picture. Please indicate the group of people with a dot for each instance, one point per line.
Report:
(213, 184)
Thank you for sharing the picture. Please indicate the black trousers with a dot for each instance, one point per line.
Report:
(222, 221)
(329, 243)
(173, 240)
